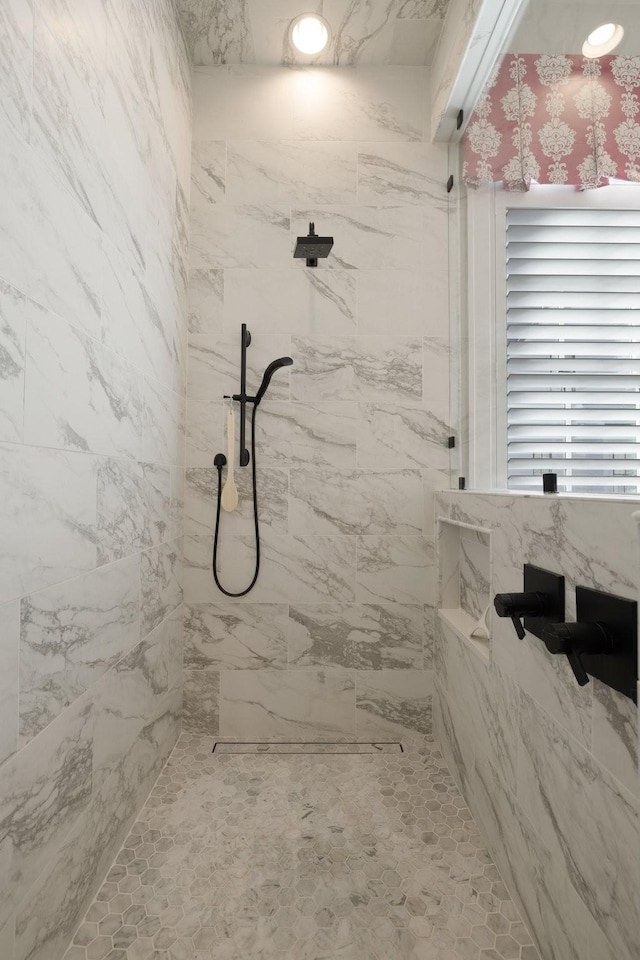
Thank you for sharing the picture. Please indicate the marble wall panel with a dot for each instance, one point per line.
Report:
(310, 704)
(391, 704)
(201, 705)
(49, 500)
(355, 502)
(241, 636)
(51, 783)
(549, 767)
(16, 31)
(10, 647)
(348, 455)
(70, 634)
(160, 584)
(94, 160)
(357, 368)
(15, 310)
(360, 636)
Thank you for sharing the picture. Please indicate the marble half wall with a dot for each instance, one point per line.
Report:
(549, 768)
(335, 640)
(95, 123)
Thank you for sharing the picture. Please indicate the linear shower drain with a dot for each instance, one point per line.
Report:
(308, 748)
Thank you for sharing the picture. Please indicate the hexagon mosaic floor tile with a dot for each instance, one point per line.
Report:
(293, 857)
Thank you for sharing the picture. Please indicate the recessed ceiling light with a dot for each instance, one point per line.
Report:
(602, 40)
(309, 34)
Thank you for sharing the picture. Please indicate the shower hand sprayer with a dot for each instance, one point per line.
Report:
(228, 498)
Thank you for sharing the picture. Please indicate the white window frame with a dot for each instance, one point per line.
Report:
(487, 313)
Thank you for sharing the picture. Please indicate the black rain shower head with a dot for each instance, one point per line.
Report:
(269, 372)
(312, 247)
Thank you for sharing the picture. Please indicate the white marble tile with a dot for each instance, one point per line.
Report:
(7, 940)
(160, 584)
(208, 173)
(9, 681)
(364, 636)
(395, 568)
(133, 507)
(616, 729)
(321, 434)
(305, 704)
(50, 787)
(70, 635)
(69, 130)
(240, 235)
(214, 366)
(66, 251)
(413, 173)
(391, 704)
(291, 171)
(365, 237)
(404, 302)
(163, 424)
(79, 395)
(132, 324)
(206, 302)
(396, 436)
(205, 432)
(475, 572)
(241, 103)
(201, 495)
(300, 302)
(176, 488)
(16, 222)
(15, 311)
(214, 34)
(243, 636)
(16, 56)
(355, 501)
(201, 711)
(134, 704)
(565, 794)
(358, 104)
(49, 500)
(357, 368)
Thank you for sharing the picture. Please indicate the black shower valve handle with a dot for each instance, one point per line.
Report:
(574, 639)
(519, 605)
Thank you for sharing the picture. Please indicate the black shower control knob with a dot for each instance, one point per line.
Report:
(577, 638)
(520, 604)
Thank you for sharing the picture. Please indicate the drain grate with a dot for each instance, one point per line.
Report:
(308, 748)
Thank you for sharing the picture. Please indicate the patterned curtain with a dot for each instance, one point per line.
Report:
(556, 119)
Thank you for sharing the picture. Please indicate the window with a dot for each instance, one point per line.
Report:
(563, 298)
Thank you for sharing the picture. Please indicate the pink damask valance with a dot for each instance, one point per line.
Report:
(556, 119)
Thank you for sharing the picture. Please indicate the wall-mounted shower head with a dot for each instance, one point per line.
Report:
(269, 372)
(312, 247)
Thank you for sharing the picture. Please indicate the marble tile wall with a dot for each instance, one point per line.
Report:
(95, 123)
(549, 768)
(335, 640)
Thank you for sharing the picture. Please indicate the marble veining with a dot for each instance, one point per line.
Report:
(362, 368)
(70, 635)
(133, 504)
(9, 678)
(15, 310)
(16, 56)
(363, 636)
(239, 635)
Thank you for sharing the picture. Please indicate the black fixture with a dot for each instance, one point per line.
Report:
(450, 184)
(541, 604)
(603, 642)
(312, 247)
(242, 398)
(220, 460)
(549, 482)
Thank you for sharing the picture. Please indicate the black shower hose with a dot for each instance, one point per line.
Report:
(220, 461)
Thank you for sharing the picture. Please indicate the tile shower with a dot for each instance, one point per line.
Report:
(147, 209)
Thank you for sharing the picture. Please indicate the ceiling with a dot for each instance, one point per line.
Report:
(551, 27)
(366, 32)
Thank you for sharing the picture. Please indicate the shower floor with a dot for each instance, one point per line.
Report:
(301, 857)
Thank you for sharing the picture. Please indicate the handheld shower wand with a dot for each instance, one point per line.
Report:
(220, 460)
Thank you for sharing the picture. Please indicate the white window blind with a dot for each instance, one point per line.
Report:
(573, 349)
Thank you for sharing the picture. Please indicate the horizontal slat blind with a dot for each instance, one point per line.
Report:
(573, 349)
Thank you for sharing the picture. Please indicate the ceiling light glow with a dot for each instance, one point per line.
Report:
(309, 34)
(602, 40)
